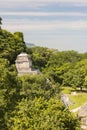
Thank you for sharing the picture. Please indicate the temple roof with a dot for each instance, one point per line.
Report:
(23, 54)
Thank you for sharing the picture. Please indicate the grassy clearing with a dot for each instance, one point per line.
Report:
(78, 99)
(67, 90)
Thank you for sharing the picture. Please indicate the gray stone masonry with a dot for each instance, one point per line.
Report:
(24, 65)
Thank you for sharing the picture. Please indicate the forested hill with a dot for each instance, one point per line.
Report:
(11, 44)
(32, 102)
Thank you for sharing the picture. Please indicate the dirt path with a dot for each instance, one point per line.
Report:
(76, 109)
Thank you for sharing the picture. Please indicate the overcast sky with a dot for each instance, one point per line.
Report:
(60, 24)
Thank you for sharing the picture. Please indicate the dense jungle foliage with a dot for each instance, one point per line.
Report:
(32, 102)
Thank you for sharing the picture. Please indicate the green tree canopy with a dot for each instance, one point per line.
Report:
(0, 20)
(9, 91)
(38, 86)
(41, 114)
(11, 45)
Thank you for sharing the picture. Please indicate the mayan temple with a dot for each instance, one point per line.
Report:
(24, 65)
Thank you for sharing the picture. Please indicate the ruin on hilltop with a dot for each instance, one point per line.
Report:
(24, 65)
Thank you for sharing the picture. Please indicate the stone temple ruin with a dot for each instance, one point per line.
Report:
(66, 101)
(82, 114)
(24, 65)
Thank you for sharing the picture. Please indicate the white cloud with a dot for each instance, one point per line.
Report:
(46, 1)
(36, 26)
(39, 3)
(43, 13)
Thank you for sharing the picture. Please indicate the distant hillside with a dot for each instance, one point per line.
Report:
(30, 44)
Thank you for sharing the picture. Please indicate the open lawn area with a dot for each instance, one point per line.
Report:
(77, 97)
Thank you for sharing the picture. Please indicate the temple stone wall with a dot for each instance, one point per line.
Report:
(24, 65)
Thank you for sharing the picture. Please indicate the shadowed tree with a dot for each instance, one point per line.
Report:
(0, 20)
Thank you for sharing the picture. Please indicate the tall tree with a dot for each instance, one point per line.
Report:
(0, 20)
(0, 23)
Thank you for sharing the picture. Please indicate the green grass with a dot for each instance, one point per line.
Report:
(67, 90)
(79, 99)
